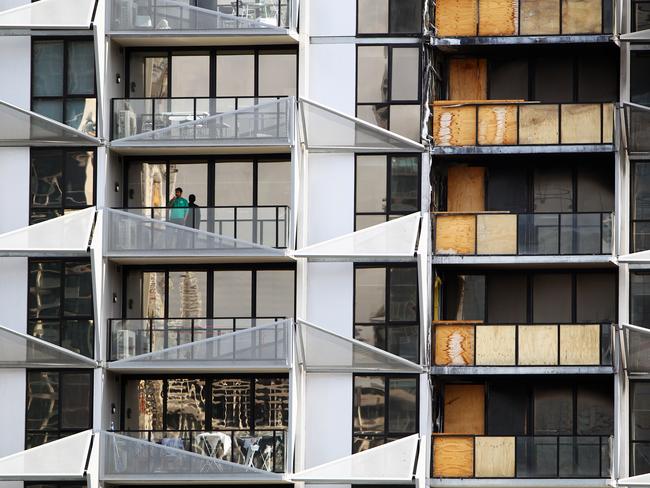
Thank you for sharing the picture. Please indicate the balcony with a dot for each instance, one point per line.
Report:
(465, 347)
(539, 456)
(264, 225)
(150, 22)
(494, 126)
(521, 21)
(469, 237)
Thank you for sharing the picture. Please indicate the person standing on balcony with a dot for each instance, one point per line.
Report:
(179, 208)
(194, 214)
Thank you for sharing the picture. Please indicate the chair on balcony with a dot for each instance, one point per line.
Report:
(215, 444)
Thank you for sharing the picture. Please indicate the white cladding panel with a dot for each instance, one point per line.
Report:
(332, 76)
(332, 18)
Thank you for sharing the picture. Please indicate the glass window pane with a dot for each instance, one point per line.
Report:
(596, 296)
(536, 457)
(148, 74)
(231, 405)
(405, 16)
(404, 184)
(81, 114)
(507, 299)
(402, 405)
(274, 183)
(233, 293)
(640, 299)
(243, 83)
(552, 298)
(275, 293)
(372, 17)
(233, 184)
(79, 178)
(405, 120)
(78, 293)
(401, 340)
(500, 181)
(553, 190)
(464, 297)
(370, 295)
(78, 336)
(47, 64)
(147, 184)
(187, 293)
(365, 221)
(143, 404)
(374, 114)
(403, 294)
(641, 191)
(271, 403)
(507, 409)
(46, 178)
(405, 83)
(369, 404)
(185, 404)
(44, 289)
(52, 109)
(640, 411)
(192, 178)
(75, 400)
(598, 78)
(553, 80)
(553, 410)
(190, 76)
(595, 189)
(145, 294)
(277, 75)
(371, 184)
(42, 400)
(639, 77)
(372, 74)
(508, 79)
(81, 67)
(374, 335)
(595, 410)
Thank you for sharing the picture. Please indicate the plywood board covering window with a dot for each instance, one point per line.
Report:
(464, 411)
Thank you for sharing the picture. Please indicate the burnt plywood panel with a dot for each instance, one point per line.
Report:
(455, 234)
(466, 189)
(539, 124)
(538, 345)
(467, 79)
(497, 17)
(454, 345)
(453, 457)
(464, 411)
(581, 123)
(495, 457)
(579, 345)
(497, 125)
(608, 123)
(496, 234)
(454, 126)
(495, 345)
(456, 18)
(582, 16)
(539, 17)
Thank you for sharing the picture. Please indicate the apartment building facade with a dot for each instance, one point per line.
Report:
(338, 242)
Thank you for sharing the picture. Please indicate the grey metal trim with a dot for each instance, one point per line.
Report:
(190, 479)
(359, 149)
(519, 482)
(520, 370)
(162, 34)
(604, 259)
(358, 259)
(44, 254)
(501, 40)
(545, 149)
(170, 366)
(363, 40)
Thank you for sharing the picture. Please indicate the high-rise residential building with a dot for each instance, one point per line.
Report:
(325, 242)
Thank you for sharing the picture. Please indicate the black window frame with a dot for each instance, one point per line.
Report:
(389, 168)
(387, 435)
(59, 431)
(62, 317)
(389, 33)
(632, 441)
(632, 203)
(66, 95)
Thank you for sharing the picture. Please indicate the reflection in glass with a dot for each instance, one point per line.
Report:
(185, 405)
(403, 294)
(372, 17)
(402, 405)
(369, 407)
(372, 74)
(371, 183)
(538, 234)
(47, 68)
(405, 74)
(404, 184)
(81, 68)
(231, 406)
(275, 293)
(271, 403)
(277, 74)
(187, 293)
(143, 403)
(240, 62)
(42, 400)
(75, 399)
(190, 75)
(370, 295)
(232, 293)
(536, 457)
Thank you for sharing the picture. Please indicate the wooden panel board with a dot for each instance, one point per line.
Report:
(608, 123)
(539, 17)
(539, 124)
(456, 18)
(582, 16)
(497, 17)
(454, 345)
(495, 345)
(454, 126)
(496, 234)
(580, 345)
(497, 125)
(466, 189)
(581, 123)
(537, 345)
(453, 457)
(467, 79)
(464, 409)
(455, 234)
(495, 457)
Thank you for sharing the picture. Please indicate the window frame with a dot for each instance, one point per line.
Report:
(389, 33)
(632, 202)
(61, 373)
(389, 168)
(387, 434)
(632, 441)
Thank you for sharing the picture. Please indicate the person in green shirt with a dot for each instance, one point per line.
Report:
(179, 208)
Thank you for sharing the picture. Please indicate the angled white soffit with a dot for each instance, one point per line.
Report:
(22, 128)
(394, 240)
(130, 236)
(65, 236)
(24, 351)
(639, 480)
(391, 463)
(641, 257)
(265, 347)
(171, 18)
(265, 124)
(636, 341)
(638, 36)
(327, 130)
(47, 15)
(322, 351)
(128, 460)
(61, 460)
